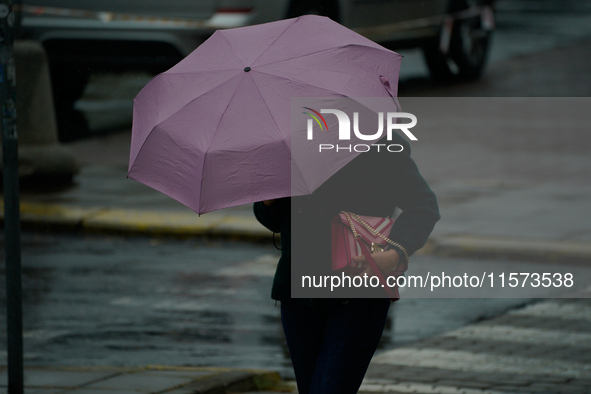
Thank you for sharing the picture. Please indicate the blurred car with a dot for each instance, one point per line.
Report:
(83, 36)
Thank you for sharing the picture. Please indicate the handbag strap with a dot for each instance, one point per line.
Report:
(372, 230)
(366, 253)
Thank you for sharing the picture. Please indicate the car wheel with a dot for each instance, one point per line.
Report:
(327, 8)
(68, 84)
(468, 49)
(437, 62)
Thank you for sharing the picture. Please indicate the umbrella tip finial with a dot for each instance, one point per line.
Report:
(247, 69)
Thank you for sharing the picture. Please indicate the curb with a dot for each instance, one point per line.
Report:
(540, 250)
(53, 217)
(138, 222)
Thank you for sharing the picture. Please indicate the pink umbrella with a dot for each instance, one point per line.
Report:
(214, 130)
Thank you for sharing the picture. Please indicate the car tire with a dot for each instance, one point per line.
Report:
(437, 62)
(468, 49)
(327, 8)
(68, 84)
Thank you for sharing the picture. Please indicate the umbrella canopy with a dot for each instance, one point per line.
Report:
(214, 130)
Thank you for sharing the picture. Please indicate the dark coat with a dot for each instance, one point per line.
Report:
(373, 184)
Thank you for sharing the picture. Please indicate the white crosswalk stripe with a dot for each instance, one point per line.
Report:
(532, 336)
(376, 386)
(572, 311)
(482, 362)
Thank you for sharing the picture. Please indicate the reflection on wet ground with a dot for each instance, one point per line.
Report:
(98, 300)
(90, 301)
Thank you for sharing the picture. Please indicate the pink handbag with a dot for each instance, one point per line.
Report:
(355, 235)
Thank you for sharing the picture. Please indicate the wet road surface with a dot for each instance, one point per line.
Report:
(99, 300)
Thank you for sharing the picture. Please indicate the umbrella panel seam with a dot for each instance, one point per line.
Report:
(304, 83)
(231, 46)
(263, 100)
(273, 43)
(206, 151)
(308, 84)
(177, 111)
(382, 49)
(169, 72)
(155, 187)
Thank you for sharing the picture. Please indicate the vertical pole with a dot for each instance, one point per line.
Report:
(8, 19)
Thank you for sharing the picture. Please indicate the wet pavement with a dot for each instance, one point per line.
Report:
(150, 379)
(134, 301)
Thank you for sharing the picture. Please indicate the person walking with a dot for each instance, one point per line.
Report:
(331, 341)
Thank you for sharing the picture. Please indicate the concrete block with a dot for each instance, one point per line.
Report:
(40, 154)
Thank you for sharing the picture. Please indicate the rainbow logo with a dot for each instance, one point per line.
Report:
(315, 116)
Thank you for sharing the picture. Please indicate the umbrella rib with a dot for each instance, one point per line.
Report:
(328, 49)
(263, 99)
(180, 109)
(201, 71)
(278, 37)
(301, 175)
(276, 125)
(313, 53)
(213, 137)
(274, 121)
(230, 45)
(302, 82)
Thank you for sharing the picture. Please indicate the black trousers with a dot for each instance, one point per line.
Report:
(331, 345)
